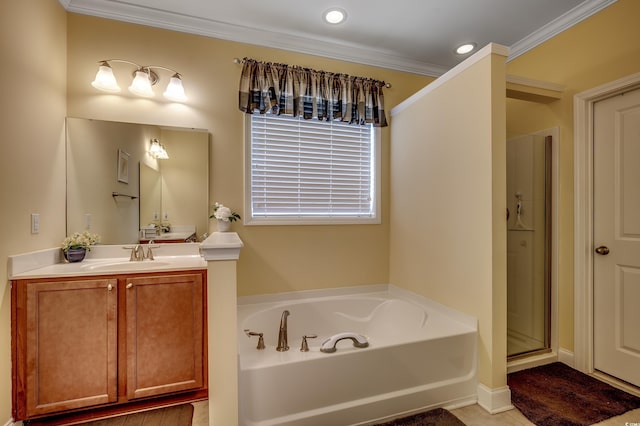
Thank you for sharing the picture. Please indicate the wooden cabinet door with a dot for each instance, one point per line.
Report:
(70, 339)
(164, 334)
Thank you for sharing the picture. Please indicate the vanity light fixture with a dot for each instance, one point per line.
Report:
(465, 48)
(144, 79)
(157, 150)
(334, 16)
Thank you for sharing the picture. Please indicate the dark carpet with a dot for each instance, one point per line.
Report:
(435, 417)
(555, 394)
(179, 415)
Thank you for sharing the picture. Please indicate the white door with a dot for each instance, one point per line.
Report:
(617, 236)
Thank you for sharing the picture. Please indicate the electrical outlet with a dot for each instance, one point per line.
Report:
(35, 223)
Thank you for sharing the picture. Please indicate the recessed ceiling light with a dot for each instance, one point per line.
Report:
(465, 48)
(335, 16)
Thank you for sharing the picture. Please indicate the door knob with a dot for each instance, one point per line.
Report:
(602, 250)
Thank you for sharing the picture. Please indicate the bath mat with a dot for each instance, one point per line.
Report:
(179, 415)
(556, 394)
(436, 417)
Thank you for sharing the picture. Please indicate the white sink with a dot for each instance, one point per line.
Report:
(124, 265)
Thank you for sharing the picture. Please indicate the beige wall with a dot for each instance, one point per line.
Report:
(50, 65)
(33, 75)
(600, 49)
(275, 258)
(35, 45)
(448, 199)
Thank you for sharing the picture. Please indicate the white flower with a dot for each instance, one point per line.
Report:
(223, 213)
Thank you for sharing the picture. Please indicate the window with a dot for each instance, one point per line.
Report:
(310, 172)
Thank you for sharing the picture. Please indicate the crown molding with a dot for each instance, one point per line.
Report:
(539, 84)
(489, 49)
(558, 25)
(302, 43)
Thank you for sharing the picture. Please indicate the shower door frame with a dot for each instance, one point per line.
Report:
(551, 352)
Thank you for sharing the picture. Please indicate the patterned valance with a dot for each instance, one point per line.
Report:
(292, 90)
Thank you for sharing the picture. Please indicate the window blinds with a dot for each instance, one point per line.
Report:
(310, 168)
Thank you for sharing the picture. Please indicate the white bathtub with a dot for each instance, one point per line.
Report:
(421, 355)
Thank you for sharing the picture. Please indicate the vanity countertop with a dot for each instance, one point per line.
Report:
(105, 260)
(114, 259)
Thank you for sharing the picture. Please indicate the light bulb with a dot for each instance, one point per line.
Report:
(465, 48)
(141, 85)
(154, 149)
(175, 91)
(335, 16)
(105, 80)
(162, 154)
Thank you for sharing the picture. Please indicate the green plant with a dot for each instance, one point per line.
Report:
(80, 240)
(221, 212)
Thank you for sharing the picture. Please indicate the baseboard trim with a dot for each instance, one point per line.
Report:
(494, 400)
(10, 422)
(567, 357)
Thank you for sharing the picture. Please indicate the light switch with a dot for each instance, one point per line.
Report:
(35, 223)
(87, 221)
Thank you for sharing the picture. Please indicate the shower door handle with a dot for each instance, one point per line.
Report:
(602, 250)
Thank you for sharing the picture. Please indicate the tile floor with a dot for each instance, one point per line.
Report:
(472, 415)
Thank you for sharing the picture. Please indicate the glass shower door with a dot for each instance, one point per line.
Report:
(528, 244)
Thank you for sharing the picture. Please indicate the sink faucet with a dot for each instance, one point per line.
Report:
(149, 254)
(282, 333)
(137, 253)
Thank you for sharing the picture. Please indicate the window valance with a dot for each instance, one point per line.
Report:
(292, 90)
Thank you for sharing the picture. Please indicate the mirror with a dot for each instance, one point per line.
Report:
(151, 202)
(116, 187)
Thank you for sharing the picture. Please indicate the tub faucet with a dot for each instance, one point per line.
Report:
(282, 333)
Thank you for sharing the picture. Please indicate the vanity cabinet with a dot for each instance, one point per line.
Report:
(107, 341)
(164, 334)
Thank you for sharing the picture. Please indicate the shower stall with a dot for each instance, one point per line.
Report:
(528, 245)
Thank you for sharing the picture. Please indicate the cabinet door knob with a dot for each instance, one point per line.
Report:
(110, 287)
(129, 285)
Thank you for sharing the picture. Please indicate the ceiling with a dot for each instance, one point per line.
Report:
(418, 36)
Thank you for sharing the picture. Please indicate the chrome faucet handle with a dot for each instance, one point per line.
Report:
(137, 253)
(305, 347)
(250, 333)
(149, 254)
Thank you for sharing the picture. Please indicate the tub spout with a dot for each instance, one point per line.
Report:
(329, 345)
(282, 333)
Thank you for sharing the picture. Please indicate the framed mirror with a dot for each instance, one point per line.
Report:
(117, 186)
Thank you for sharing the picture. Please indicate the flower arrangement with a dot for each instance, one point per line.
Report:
(79, 240)
(223, 213)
